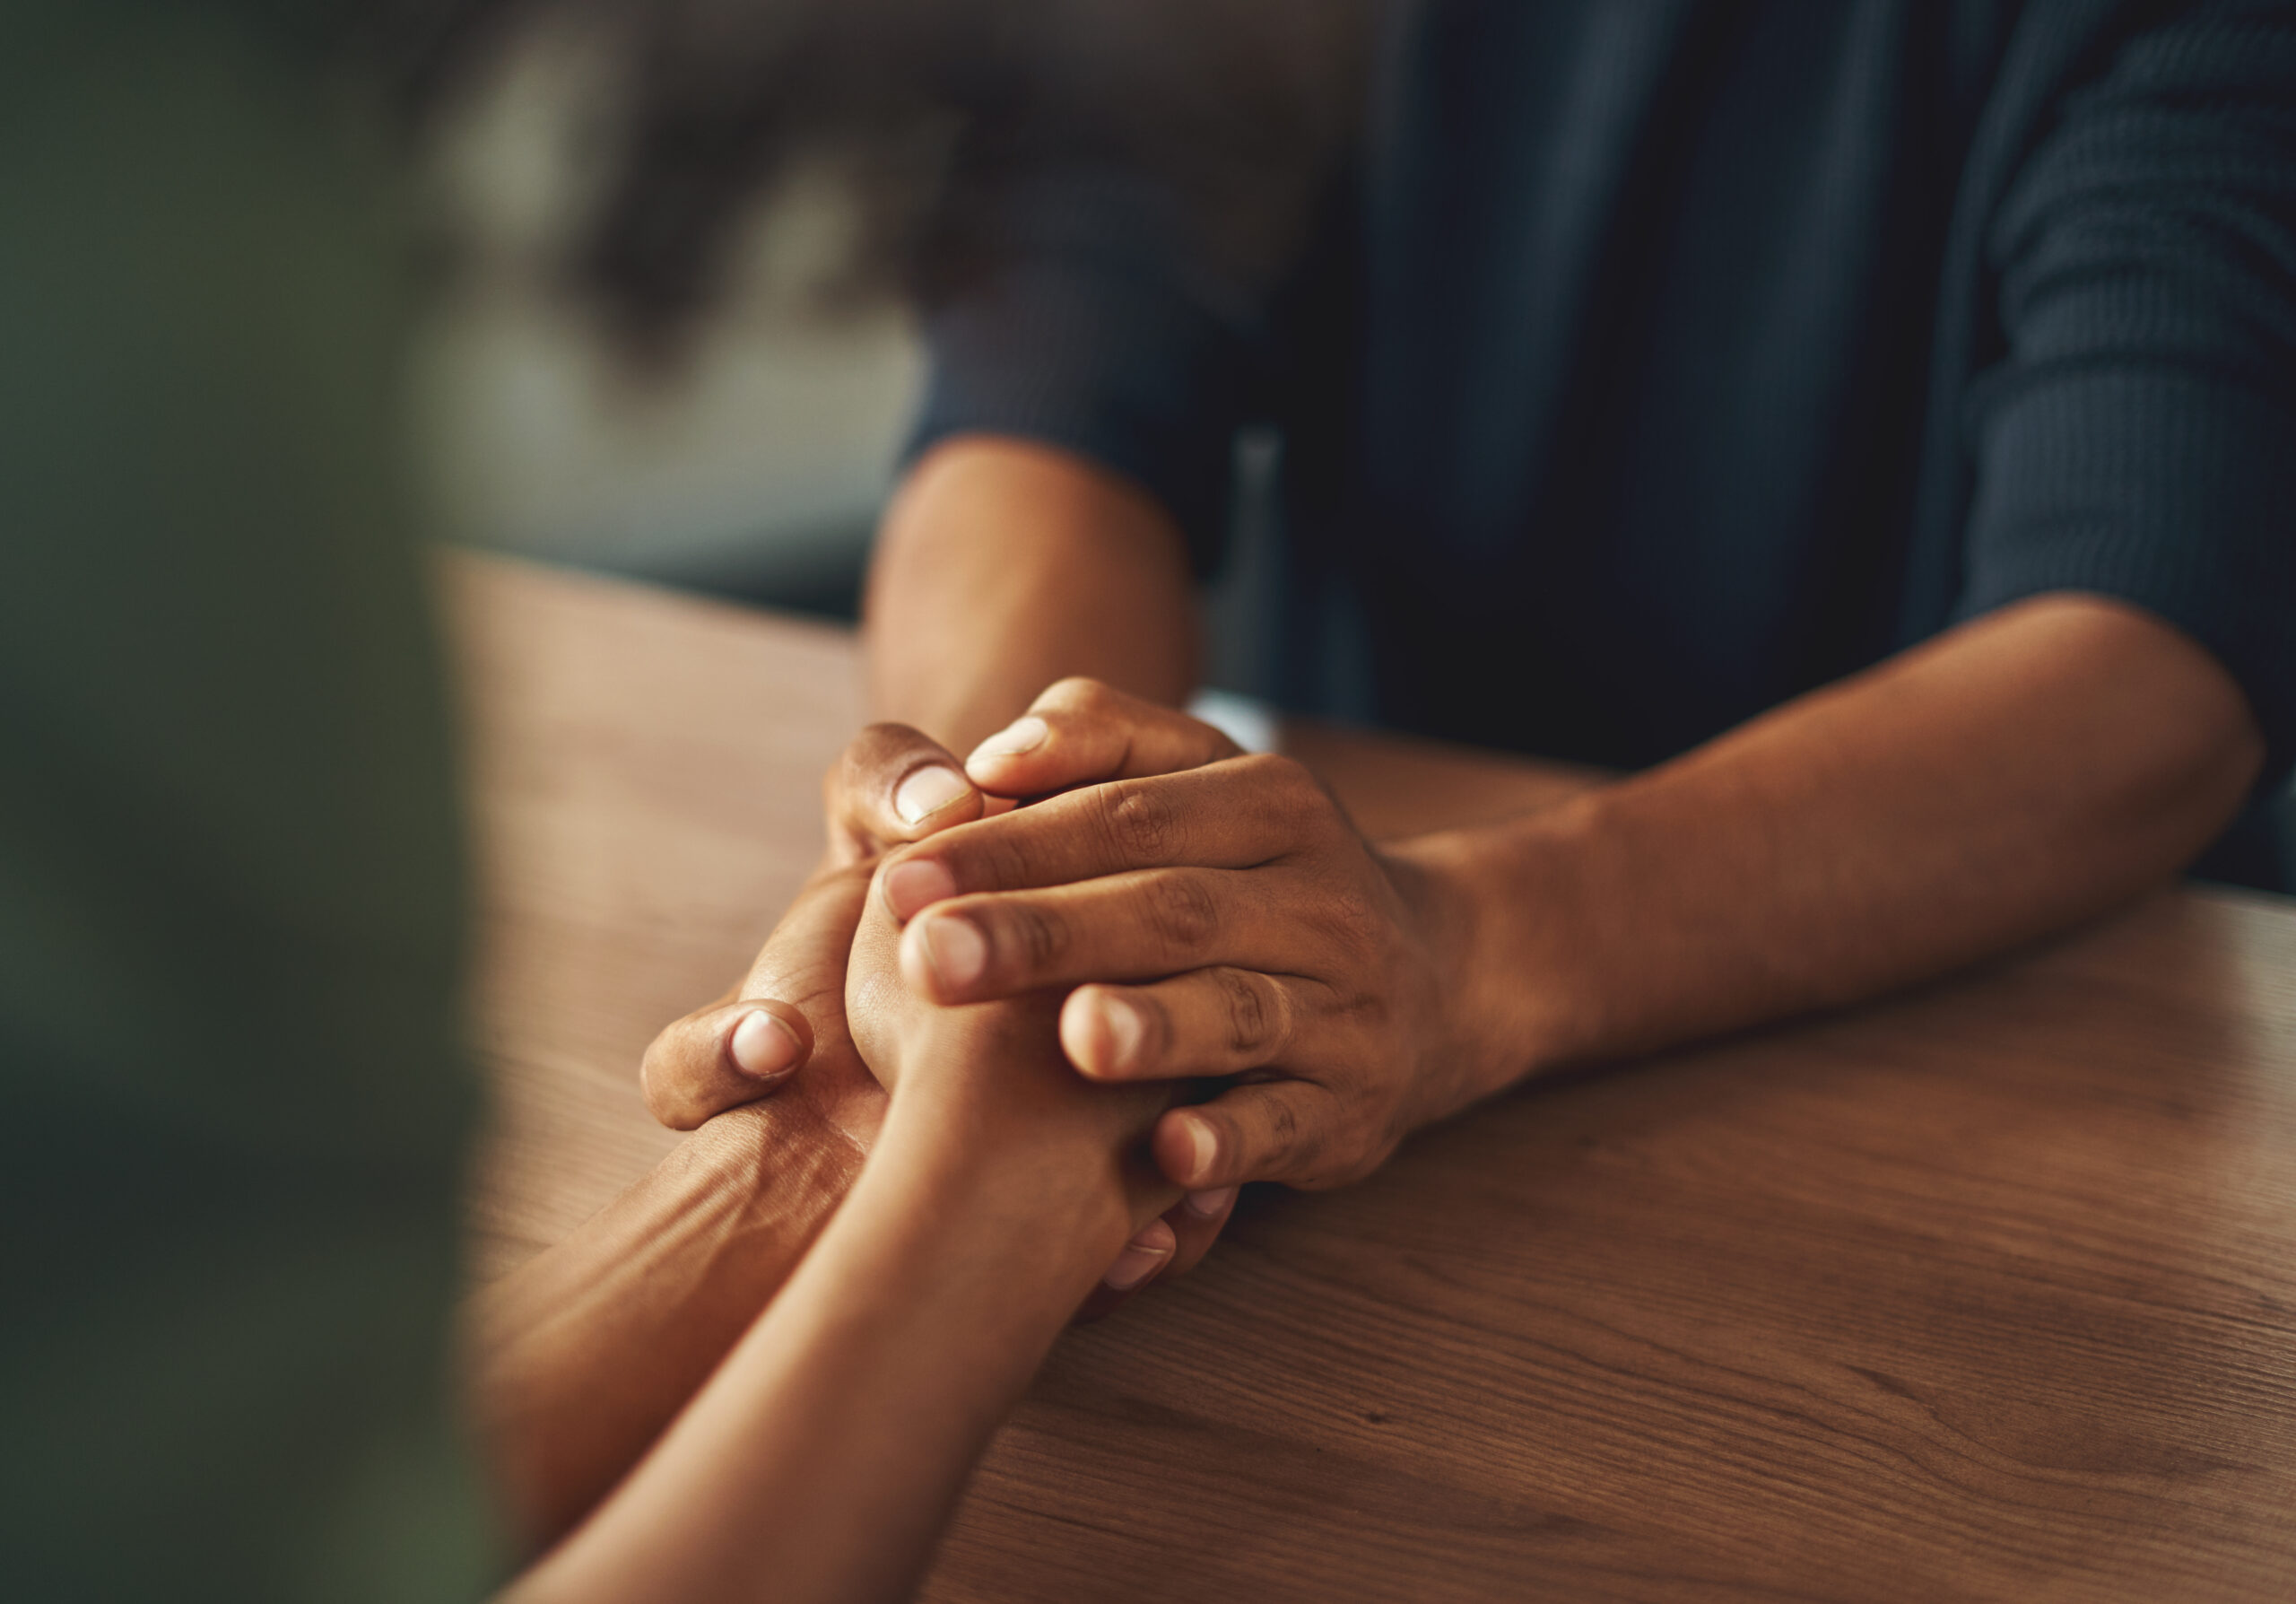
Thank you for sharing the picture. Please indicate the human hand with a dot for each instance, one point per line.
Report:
(993, 1071)
(1082, 732)
(1226, 920)
(892, 785)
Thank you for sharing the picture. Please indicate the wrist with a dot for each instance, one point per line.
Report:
(979, 1136)
(676, 1267)
(769, 1149)
(1496, 904)
(992, 1078)
(1051, 1195)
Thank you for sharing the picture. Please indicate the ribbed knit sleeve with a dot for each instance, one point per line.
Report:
(2139, 439)
(1094, 330)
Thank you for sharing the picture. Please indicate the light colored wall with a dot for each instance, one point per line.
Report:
(756, 464)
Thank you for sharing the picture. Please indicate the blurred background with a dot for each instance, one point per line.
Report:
(752, 461)
(748, 455)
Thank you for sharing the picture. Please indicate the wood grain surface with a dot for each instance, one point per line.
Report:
(1984, 1292)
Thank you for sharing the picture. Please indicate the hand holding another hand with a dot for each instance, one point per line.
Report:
(894, 786)
(1218, 919)
(891, 786)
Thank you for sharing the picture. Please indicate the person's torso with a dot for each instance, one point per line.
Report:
(1636, 345)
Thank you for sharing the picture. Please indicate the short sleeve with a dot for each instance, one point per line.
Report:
(1094, 329)
(2139, 439)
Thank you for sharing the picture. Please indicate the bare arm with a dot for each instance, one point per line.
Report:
(822, 1458)
(581, 1357)
(1004, 566)
(2015, 775)
(1001, 566)
(591, 1349)
(2029, 770)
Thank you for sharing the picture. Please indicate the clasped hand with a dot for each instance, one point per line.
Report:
(1206, 918)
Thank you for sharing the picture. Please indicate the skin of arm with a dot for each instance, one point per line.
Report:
(822, 1458)
(2020, 772)
(577, 1359)
(2027, 769)
(2010, 778)
(1004, 566)
(593, 1346)
(1001, 566)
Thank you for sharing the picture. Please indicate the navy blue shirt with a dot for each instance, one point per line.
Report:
(1660, 360)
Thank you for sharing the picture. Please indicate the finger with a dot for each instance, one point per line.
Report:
(1083, 732)
(1271, 1130)
(721, 1056)
(1234, 814)
(1134, 927)
(718, 1058)
(1196, 1224)
(1148, 1251)
(1208, 1021)
(894, 784)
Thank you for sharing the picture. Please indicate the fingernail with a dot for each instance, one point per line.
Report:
(761, 1045)
(928, 791)
(1124, 1028)
(956, 951)
(1205, 1205)
(1021, 734)
(1204, 1147)
(919, 883)
(1134, 1265)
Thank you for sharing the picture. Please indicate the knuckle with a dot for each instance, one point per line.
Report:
(1286, 785)
(1140, 823)
(1254, 1014)
(1270, 772)
(1038, 936)
(980, 860)
(1323, 1148)
(1367, 1012)
(657, 1080)
(1006, 859)
(881, 737)
(856, 782)
(1284, 1132)
(1183, 913)
(1078, 694)
(875, 749)
(1317, 1165)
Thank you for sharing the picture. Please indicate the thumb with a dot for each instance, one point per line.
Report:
(894, 784)
(719, 1056)
(746, 1044)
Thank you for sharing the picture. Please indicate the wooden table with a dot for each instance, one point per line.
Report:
(1988, 1291)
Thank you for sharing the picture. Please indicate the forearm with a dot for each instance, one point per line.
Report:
(822, 1459)
(1004, 566)
(580, 1357)
(2007, 779)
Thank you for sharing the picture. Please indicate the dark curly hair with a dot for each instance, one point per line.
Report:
(931, 110)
